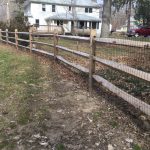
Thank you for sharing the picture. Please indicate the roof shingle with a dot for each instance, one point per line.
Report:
(81, 3)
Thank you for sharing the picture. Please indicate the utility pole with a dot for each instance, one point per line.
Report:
(8, 13)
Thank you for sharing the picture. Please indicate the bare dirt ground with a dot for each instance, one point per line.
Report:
(62, 116)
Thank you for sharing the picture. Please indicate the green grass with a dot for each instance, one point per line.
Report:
(136, 147)
(60, 146)
(7, 144)
(21, 86)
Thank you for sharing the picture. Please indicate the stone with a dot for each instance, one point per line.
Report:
(43, 143)
(129, 140)
(37, 136)
(110, 147)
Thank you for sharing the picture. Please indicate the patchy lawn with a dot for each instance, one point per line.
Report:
(42, 109)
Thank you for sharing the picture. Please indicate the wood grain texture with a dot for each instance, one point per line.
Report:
(121, 67)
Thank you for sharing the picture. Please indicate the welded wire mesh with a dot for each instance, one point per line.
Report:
(124, 61)
(129, 51)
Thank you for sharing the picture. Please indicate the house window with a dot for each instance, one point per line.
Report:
(59, 22)
(53, 8)
(43, 7)
(88, 10)
(69, 8)
(37, 22)
(81, 24)
(93, 25)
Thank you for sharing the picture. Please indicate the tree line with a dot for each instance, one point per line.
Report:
(141, 7)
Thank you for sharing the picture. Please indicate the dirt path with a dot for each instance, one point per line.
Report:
(62, 116)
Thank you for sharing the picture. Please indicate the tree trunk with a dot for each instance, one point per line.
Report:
(74, 17)
(129, 16)
(106, 16)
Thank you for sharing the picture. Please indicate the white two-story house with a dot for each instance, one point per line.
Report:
(65, 15)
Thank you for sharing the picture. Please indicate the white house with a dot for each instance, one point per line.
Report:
(64, 15)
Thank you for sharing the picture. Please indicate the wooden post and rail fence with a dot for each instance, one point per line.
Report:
(137, 103)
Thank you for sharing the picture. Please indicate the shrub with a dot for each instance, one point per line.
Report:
(17, 23)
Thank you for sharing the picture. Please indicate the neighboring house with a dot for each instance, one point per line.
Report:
(65, 15)
(119, 18)
(133, 25)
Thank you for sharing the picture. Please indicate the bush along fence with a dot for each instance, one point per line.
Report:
(14, 38)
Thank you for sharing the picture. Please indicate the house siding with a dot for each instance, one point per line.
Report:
(34, 11)
(41, 15)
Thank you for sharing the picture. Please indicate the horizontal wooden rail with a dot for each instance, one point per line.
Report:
(25, 33)
(120, 67)
(4, 36)
(123, 42)
(11, 43)
(43, 52)
(36, 42)
(3, 40)
(127, 97)
(23, 46)
(73, 51)
(11, 37)
(76, 66)
(11, 32)
(77, 38)
(42, 34)
(23, 40)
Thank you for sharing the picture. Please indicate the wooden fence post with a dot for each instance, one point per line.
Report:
(30, 39)
(92, 64)
(7, 36)
(48, 27)
(77, 45)
(16, 38)
(55, 44)
(0, 35)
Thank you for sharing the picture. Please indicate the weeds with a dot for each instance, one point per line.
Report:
(96, 115)
(136, 147)
(114, 124)
(60, 147)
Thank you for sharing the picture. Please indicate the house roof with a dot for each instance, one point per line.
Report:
(78, 17)
(77, 3)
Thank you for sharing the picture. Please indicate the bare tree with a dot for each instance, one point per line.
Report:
(106, 17)
(129, 15)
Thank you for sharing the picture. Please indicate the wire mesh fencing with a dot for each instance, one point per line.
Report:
(121, 65)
